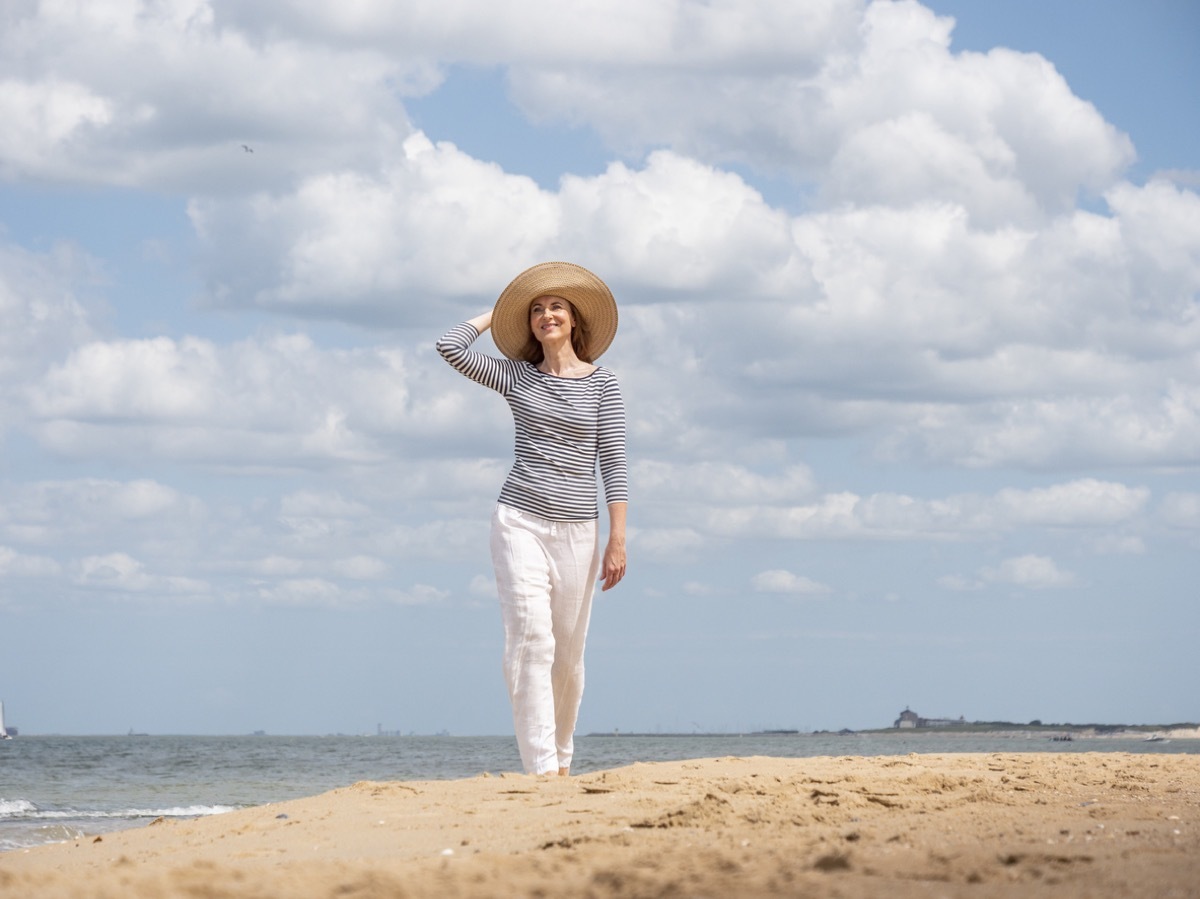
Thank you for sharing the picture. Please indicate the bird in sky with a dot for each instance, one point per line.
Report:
(247, 149)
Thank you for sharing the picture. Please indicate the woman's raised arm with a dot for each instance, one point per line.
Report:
(481, 322)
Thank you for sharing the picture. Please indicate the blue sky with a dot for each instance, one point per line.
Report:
(909, 344)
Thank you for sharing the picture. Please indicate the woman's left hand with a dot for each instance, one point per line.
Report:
(614, 564)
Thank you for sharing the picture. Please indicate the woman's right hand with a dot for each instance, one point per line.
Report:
(481, 322)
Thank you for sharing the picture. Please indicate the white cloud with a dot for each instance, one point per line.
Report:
(958, 583)
(884, 110)
(308, 504)
(312, 591)
(190, 89)
(361, 568)
(436, 223)
(617, 33)
(867, 100)
(944, 296)
(1084, 504)
(483, 587)
(278, 402)
(276, 566)
(1033, 571)
(780, 581)
(933, 295)
(1161, 225)
(720, 483)
(1025, 347)
(121, 573)
(41, 116)
(1030, 571)
(666, 543)
(377, 246)
(41, 316)
(86, 511)
(319, 592)
(84, 539)
(417, 595)
(14, 564)
(1155, 427)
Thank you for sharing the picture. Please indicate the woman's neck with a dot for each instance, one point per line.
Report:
(560, 360)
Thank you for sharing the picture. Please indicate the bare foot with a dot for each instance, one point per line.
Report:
(564, 772)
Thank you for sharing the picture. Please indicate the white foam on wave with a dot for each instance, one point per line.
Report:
(23, 825)
(191, 811)
(13, 808)
(26, 838)
(25, 810)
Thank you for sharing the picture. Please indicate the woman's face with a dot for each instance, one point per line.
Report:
(550, 318)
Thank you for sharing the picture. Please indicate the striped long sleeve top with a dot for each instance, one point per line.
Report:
(564, 428)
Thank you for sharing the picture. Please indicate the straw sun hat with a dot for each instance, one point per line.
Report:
(587, 293)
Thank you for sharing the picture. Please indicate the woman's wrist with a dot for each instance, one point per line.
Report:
(481, 322)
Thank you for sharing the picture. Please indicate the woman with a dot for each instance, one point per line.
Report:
(552, 322)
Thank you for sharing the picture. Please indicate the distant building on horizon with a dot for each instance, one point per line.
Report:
(909, 719)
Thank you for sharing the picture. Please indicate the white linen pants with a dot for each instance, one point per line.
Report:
(545, 575)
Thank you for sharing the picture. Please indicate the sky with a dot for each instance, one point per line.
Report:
(909, 345)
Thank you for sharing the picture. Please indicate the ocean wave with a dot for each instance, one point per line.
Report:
(24, 810)
(23, 825)
(14, 808)
(28, 837)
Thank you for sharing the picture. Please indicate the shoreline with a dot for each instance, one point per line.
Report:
(1087, 732)
(985, 824)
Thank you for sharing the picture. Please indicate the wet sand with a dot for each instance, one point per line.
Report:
(979, 825)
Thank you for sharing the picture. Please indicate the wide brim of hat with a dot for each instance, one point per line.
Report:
(590, 296)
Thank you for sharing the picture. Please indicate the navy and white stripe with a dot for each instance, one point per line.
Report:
(564, 427)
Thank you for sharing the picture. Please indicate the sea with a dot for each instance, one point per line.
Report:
(64, 788)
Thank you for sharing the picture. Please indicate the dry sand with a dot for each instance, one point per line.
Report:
(1007, 824)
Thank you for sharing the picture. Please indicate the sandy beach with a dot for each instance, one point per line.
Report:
(1007, 824)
